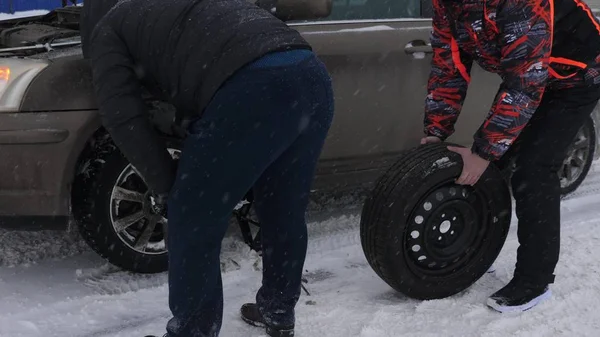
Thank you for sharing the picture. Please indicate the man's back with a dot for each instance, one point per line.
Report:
(190, 47)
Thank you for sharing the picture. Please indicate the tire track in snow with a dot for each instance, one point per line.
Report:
(322, 280)
(237, 287)
(324, 236)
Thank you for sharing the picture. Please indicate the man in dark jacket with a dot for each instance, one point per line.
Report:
(260, 105)
(547, 53)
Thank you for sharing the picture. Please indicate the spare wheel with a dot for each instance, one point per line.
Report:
(427, 237)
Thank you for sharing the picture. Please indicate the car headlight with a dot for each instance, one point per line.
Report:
(15, 77)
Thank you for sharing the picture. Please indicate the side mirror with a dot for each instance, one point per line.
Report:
(288, 10)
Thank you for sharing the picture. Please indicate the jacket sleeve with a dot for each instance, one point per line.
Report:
(123, 111)
(449, 78)
(525, 38)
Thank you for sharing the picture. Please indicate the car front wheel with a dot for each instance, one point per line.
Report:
(113, 212)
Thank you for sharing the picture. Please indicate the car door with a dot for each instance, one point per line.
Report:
(377, 54)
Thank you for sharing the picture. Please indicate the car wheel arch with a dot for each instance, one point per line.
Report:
(91, 135)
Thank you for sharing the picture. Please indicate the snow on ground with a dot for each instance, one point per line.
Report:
(79, 295)
(7, 16)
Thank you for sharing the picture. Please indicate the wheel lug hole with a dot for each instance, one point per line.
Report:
(427, 206)
(419, 219)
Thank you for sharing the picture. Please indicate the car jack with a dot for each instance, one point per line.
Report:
(242, 214)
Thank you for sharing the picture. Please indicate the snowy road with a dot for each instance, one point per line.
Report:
(76, 294)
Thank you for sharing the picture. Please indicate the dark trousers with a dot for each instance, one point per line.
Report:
(264, 129)
(539, 153)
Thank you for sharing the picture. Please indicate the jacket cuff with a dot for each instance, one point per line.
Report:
(483, 152)
(432, 131)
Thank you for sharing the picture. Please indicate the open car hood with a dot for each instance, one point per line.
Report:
(39, 34)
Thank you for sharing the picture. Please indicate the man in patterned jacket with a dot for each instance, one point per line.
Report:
(547, 54)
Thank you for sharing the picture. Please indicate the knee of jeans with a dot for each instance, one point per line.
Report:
(191, 203)
(186, 218)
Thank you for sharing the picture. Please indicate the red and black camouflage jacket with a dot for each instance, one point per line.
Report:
(531, 44)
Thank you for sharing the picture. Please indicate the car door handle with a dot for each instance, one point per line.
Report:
(418, 46)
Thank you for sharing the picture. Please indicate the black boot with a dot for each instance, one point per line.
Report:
(251, 315)
(518, 295)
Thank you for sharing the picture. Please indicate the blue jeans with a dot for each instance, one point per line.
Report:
(265, 130)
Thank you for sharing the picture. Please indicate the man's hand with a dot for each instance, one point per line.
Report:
(159, 204)
(473, 166)
(430, 140)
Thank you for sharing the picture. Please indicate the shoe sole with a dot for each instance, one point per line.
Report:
(280, 333)
(270, 331)
(520, 308)
(254, 323)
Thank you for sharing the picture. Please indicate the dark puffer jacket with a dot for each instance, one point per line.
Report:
(182, 49)
(532, 44)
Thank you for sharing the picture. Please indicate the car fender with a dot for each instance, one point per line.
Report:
(65, 85)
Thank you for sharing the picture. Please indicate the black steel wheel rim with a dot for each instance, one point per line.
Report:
(446, 229)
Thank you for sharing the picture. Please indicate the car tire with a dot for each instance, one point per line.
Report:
(579, 159)
(427, 237)
(99, 211)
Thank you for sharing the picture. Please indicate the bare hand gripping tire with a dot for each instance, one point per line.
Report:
(427, 237)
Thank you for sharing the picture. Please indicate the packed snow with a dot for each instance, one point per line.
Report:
(72, 292)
